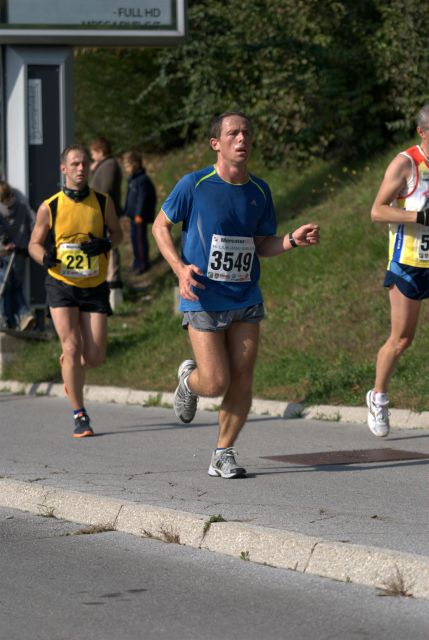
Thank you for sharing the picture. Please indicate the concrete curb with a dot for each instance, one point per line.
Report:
(369, 566)
(399, 418)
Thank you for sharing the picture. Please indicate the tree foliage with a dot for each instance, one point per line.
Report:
(336, 76)
(109, 83)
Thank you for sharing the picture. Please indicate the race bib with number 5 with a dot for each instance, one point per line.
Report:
(424, 246)
(231, 258)
(75, 263)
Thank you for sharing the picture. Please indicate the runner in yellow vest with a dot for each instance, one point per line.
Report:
(403, 202)
(82, 227)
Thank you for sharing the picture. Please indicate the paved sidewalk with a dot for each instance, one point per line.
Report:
(145, 474)
(402, 418)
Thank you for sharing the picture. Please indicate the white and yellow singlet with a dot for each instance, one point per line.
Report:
(409, 242)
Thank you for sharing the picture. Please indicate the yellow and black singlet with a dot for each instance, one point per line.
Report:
(70, 223)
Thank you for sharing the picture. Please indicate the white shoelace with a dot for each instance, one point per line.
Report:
(381, 413)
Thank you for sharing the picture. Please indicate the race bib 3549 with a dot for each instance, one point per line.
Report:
(231, 258)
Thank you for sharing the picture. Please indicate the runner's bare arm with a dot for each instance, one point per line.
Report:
(36, 246)
(393, 184)
(305, 236)
(161, 230)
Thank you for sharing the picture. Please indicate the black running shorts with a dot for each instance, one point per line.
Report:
(89, 299)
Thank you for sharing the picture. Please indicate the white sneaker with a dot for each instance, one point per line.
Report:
(185, 402)
(378, 416)
(224, 464)
(27, 322)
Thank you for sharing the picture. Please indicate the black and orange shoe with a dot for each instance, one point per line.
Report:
(61, 359)
(82, 426)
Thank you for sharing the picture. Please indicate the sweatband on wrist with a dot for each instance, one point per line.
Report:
(423, 217)
(293, 243)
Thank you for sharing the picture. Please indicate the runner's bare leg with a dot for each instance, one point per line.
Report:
(404, 318)
(225, 362)
(67, 325)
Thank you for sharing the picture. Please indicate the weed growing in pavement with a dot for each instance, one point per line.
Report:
(168, 535)
(20, 392)
(155, 401)
(46, 511)
(336, 417)
(93, 529)
(396, 587)
(244, 555)
(165, 535)
(208, 523)
(214, 407)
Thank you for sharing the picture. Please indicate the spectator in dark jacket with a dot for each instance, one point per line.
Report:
(140, 207)
(16, 224)
(106, 176)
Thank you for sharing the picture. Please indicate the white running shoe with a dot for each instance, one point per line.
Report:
(378, 416)
(224, 464)
(185, 402)
(27, 322)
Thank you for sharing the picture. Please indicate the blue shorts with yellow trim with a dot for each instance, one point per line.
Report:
(412, 282)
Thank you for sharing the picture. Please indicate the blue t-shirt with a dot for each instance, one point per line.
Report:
(219, 221)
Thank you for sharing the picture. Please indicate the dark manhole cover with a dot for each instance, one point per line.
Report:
(354, 456)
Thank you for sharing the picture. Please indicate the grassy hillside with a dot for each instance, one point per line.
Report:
(327, 312)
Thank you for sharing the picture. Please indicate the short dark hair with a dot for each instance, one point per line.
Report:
(100, 143)
(216, 123)
(72, 147)
(133, 157)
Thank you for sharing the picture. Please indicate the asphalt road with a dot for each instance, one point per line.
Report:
(143, 455)
(57, 585)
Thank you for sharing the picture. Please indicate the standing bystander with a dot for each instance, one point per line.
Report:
(16, 224)
(106, 177)
(139, 207)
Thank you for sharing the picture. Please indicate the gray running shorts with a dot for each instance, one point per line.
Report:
(220, 320)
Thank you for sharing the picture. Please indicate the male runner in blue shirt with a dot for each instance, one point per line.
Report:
(228, 221)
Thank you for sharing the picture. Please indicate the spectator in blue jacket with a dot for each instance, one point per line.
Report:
(140, 207)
